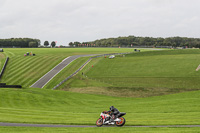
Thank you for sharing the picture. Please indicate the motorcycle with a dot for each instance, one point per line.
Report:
(105, 119)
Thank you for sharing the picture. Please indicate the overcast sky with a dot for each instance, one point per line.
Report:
(87, 20)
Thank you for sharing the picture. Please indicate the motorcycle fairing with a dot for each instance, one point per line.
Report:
(121, 114)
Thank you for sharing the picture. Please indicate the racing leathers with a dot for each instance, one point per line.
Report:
(114, 113)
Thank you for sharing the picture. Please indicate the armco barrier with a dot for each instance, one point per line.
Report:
(83, 66)
(4, 66)
(3, 85)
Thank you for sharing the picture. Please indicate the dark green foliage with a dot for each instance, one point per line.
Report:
(53, 44)
(71, 44)
(19, 42)
(33, 44)
(74, 44)
(147, 41)
(46, 43)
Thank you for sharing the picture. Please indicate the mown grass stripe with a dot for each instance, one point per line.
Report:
(30, 64)
(17, 59)
(23, 64)
(20, 60)
(50, 68)
(26, 62)
(37, 68)
(13, 76)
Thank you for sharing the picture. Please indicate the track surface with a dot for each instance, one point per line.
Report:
(50, 125)
(53, 72)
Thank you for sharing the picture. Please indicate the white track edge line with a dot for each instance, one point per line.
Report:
(58, 72)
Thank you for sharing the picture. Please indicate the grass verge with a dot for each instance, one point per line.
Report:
(63, 107)
(142, 74)
(97, 130)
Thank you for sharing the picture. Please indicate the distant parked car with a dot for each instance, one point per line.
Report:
(111, 57)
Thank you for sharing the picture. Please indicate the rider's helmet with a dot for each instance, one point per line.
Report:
(111, 107)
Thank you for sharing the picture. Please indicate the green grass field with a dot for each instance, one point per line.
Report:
(110, 82)
(97, 130)
(2, 60)
(27, 70)
(58, 107)
(153, 73)
(63, 107)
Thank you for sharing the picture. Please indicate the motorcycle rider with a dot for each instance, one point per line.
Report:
(114, 112)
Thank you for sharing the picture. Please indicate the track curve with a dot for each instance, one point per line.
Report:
(53, 72)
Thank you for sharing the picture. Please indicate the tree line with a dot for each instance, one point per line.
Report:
(141, 41)
(19, 42)
(23, 43)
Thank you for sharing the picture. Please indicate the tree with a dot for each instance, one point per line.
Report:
(33, 44)
(46, 43)
(53, 44)
(71, 44)
(76, 43)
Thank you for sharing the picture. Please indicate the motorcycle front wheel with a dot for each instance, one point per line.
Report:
(121, 123)
(99, 122)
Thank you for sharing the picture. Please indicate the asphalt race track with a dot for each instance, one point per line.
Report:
(52, 73)
(50, 125)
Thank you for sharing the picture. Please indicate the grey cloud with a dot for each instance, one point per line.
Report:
(87, 20)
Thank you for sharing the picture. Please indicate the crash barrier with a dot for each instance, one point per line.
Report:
(3, 85)
(83, 66)
(4, 67)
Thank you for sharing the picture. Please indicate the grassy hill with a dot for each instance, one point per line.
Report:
(26, 70)
(141, 74)
(62, 107)
(2, 60)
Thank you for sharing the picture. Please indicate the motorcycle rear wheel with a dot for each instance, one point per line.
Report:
(121, 123)
(99, 122)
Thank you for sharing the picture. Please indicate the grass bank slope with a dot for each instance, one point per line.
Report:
(62, 107)
(2, 60)
(152, 73)
(27, 70)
